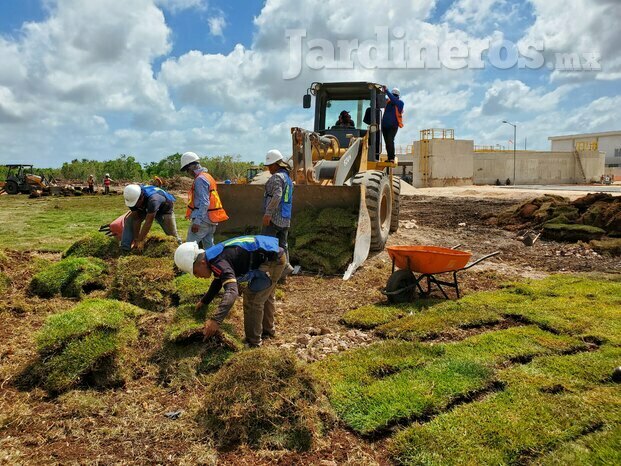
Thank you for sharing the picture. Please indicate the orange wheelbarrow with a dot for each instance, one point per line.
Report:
(426, 261)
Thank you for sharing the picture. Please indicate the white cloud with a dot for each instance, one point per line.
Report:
(179, 5)
(579, 26)
(216, 25)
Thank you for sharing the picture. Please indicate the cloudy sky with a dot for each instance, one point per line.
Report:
(100, 78)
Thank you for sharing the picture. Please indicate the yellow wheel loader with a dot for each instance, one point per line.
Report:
(334, 165)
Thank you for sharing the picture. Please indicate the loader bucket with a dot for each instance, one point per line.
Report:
(244, 206)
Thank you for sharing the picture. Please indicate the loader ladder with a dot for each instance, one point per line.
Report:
(423, 160)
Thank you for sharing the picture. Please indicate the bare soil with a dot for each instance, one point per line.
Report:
(128, 425)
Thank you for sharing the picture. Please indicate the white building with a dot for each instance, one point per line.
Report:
(608, 142)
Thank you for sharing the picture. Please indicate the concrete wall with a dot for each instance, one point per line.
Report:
(450, 163)
(606, 144)
(532, 167)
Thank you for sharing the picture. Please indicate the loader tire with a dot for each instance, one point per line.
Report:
(377, 185)
(11, 187)
(396, 203)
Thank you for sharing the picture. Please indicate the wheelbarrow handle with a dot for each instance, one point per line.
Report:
(481, 259)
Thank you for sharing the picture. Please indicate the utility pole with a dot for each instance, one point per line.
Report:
(514, 136)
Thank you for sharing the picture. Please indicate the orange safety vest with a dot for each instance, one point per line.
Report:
(399, 116)
(216, 212)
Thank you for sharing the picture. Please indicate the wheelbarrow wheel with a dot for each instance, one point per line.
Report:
(400, 287)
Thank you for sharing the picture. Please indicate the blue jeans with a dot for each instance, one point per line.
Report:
(204, 235)
(166, 221)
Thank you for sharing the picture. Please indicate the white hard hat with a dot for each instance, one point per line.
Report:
(187, 158)
(273, 156)
(396, 91)
(108, 175)
(131, 193)
(185, 255)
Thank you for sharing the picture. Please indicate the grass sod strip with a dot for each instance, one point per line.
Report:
(85, 355)
(564, 304)
(144, 281)
(94, 245)
(600, 447)
(475, 310)
(531, 417)
(185, 354)
(376, 387)
(190, 289)
(84, 318)
(69, 277)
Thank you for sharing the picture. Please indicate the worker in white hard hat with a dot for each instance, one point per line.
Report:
(147, 203)
(257, 260)
(392, 120)
(278, 202)
(205, 209)
(91, 184)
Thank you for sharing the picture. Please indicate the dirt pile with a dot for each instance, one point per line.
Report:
(185, 355)
(87, 345)
(587, 218)
(71, 278)
(266, 399)
(323, 240)
(144, 281)
(177, 183)
(94, 245)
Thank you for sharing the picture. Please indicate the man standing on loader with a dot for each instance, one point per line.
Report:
(147, 203)
(392, 120)
(204, 206)
(257, 260)
(277, 202)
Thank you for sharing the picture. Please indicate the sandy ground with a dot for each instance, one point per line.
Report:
(516, 193)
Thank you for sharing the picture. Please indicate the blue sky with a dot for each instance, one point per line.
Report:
(152, 77)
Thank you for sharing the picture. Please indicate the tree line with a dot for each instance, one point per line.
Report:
(127, 168)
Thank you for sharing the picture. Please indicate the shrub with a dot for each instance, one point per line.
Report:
(86, 345)
(264, 398)
(70, 277)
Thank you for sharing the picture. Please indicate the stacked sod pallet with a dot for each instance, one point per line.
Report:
(323, 240)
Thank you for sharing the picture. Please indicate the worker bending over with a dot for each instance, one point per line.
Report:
(205, 209)
(257, 260)
(277, 202)
(147, 203)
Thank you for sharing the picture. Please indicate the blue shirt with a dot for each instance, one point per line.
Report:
(200, 214)
(389, 120)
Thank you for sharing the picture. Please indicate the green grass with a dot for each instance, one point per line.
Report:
(94, 245)
(144, 281)
(84, 318)
(190, 289)
(601, 447)
(5, 282)
(375, 387)
(53, 223)
(69, 277)
(86, 344)
(185, 355)
(544, 408)
(448, 317)
(578, 305)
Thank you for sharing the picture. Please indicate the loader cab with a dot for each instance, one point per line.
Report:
(16, 178)
(360, 99)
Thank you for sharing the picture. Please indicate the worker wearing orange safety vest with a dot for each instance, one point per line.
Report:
(392, 120)
(205, 209)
